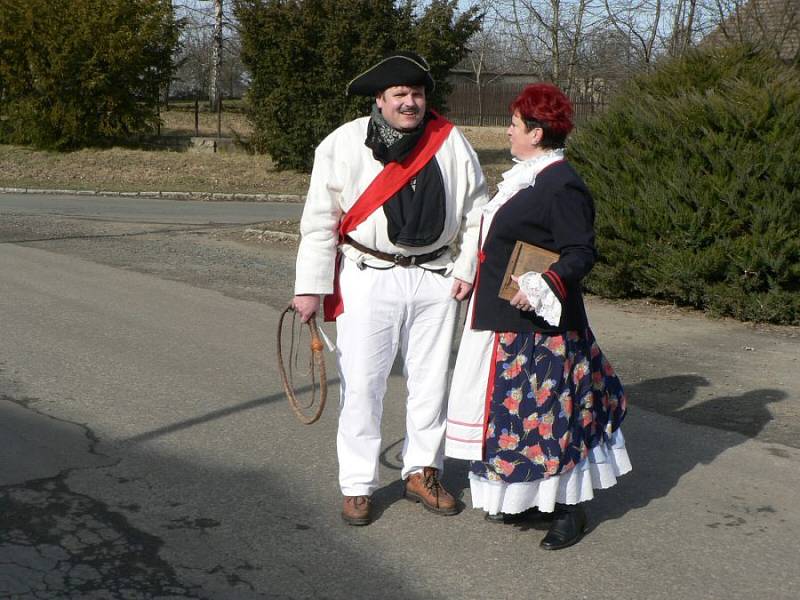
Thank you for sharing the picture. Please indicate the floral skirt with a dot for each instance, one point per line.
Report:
(556, 404)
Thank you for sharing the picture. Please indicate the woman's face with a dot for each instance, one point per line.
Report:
(524, 144)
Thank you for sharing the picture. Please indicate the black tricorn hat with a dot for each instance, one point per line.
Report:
(399, 68)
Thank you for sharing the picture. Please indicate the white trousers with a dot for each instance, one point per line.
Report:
(409, 309)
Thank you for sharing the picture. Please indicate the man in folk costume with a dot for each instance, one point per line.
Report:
(385, 238)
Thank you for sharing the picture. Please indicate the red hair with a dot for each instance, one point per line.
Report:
(546, 104)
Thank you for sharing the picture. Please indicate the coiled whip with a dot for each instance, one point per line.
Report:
(309, 413)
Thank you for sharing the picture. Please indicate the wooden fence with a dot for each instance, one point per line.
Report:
(465, 107)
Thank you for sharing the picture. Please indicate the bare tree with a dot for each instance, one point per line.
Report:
(640, 22)
(773, 25)
(589, 47)
(216, 57)
(606, 60)
(659, 28)
(194, 60)
(210, 61)
(682, 36)
(488, 57)
(550, 34)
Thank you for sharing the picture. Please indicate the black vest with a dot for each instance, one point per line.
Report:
(556, 213)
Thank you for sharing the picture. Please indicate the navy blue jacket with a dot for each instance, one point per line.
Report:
(556, 213)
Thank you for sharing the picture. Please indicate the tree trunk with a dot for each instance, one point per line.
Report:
(216, 61)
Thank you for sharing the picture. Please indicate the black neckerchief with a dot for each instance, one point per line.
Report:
(387, 143)
(416, 214)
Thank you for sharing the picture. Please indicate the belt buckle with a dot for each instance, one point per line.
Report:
(404, 261)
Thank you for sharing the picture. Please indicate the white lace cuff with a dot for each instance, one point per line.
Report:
(541, 298)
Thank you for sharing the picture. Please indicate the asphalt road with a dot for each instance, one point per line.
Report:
(148, 451)
(146, 210)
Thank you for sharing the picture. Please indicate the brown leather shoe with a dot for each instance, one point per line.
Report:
(425, 487)
(356, 510)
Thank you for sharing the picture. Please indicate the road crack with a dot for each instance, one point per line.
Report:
(56, 543)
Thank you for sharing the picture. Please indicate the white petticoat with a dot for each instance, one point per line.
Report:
(599, 470)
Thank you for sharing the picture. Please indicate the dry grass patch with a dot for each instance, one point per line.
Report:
(181, 122)
(491, 144)
(123, 169)
(126, 169)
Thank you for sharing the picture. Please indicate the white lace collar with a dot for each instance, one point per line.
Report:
(521, 175)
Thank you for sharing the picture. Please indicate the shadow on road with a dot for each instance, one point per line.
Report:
(660, 458)
(284, 535)
(218, 414)
(658, 464)
(154, 531)
(746, 413)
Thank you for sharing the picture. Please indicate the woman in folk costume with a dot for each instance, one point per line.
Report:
(534, 403)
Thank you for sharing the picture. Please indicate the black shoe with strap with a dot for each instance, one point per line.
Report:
(511, 518)
(568, 527)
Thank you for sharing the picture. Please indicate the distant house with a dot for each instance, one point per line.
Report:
(769, 24)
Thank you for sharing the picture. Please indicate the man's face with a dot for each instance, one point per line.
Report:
(402, 106)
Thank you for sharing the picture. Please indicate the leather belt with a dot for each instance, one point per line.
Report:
(398, 259)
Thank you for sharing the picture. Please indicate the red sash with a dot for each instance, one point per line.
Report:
(385, 185)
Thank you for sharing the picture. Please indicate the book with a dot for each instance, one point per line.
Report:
(525, 257)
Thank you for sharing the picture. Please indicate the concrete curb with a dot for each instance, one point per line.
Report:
(207, 196)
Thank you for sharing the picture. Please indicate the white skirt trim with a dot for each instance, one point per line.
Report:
(466, 405)
(599, 470)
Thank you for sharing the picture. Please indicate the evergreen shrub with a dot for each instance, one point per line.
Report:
(82, 72)
(694, 171)
(301, 56)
